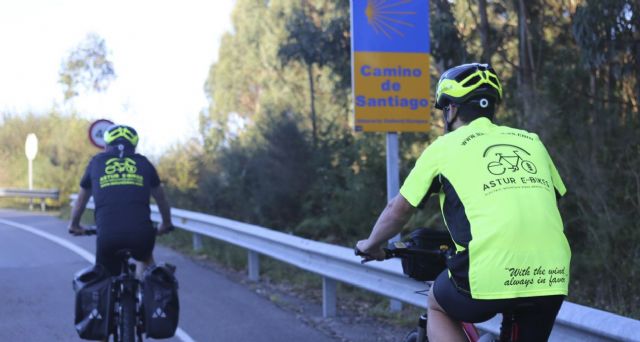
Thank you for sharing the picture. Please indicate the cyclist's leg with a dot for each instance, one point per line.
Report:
(440, 326)
(143, 251)
(506, 327)
(460, 307)
(142, 265)
(534, 322)
(106, 247)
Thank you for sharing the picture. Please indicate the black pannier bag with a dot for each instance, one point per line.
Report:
(92, 286)
(427, 267)
(160, 304)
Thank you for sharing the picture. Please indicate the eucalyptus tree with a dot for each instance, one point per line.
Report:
(87, 67)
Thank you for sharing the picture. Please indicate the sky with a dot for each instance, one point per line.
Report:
(161, 51)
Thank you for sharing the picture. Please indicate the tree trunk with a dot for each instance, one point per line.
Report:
(610, 101)
(596, 100)
(525, 73)
(637, 106)
(313, 103)
(487, 51)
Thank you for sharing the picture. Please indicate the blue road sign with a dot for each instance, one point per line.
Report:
(391, 26)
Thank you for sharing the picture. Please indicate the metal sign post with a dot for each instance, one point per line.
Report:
(31, 150)
(390, 56)
(393, 169)
(393, 187)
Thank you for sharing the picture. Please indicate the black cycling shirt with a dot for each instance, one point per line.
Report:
(121, 190)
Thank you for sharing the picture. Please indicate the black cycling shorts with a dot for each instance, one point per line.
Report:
(140, 242)
(533, 317)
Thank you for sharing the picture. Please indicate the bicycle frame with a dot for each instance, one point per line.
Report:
(127, 303)
(125, 289)
(420, 335)
(470, 330)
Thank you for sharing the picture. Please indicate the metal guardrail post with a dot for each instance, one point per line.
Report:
(197, 242)
(254, 265)
(395, 305)
(43, 205)
(328, 297)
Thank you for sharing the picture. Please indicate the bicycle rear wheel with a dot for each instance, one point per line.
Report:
(414, 336)
(127, 321)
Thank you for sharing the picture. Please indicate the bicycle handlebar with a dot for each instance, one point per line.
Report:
(399, 250)
(93, 230)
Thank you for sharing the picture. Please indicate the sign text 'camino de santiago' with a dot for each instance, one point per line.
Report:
(390, 59)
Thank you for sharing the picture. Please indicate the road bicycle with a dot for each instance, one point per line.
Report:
(126, 308)
(410, 255)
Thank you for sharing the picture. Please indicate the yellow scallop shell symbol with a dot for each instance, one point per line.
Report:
(388, 17)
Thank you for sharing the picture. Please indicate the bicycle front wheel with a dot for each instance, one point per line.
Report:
(127, 321)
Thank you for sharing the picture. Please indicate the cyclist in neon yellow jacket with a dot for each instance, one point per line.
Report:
(498, 190)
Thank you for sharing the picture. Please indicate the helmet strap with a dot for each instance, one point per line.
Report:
(448, 124)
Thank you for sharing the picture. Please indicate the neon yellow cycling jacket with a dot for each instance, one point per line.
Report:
(497, 187)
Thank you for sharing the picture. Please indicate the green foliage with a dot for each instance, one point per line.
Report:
(605, 28)
(63, 151)
(277, 148)
(87, 67)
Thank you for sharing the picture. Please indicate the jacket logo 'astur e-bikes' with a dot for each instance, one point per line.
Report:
(114, 165)
(121, 171)
(509, 157)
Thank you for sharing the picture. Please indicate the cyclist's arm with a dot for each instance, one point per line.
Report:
(78, 208)
(394, 216)
(163, 207)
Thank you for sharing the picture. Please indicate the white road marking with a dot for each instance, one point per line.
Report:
(181, 334)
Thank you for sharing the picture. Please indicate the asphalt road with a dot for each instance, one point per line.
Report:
(37, 299)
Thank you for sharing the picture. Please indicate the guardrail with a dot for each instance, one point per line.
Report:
(41, 194)
(339, 264)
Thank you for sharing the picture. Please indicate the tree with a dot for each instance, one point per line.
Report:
(87, 67)
(608, 34)
(570, 72)
(64, 151)
(446, 45)
(305, 44)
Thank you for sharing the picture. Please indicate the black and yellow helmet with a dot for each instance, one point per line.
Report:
(121, 134)
(465, 81)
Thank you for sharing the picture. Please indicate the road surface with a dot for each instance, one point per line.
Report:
(37, 263)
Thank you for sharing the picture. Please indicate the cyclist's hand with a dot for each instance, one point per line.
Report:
(165, 227)
(76, 230)
(374, 252)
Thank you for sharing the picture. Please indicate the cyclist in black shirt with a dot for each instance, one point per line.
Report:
(121, 182)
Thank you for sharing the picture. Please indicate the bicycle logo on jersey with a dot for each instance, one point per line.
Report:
(114, 165)
(510, 157)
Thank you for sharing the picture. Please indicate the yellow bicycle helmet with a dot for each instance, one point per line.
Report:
(121, 134)
(459, 84)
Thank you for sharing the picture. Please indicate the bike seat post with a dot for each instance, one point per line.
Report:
(124, 255)
(422, 327)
